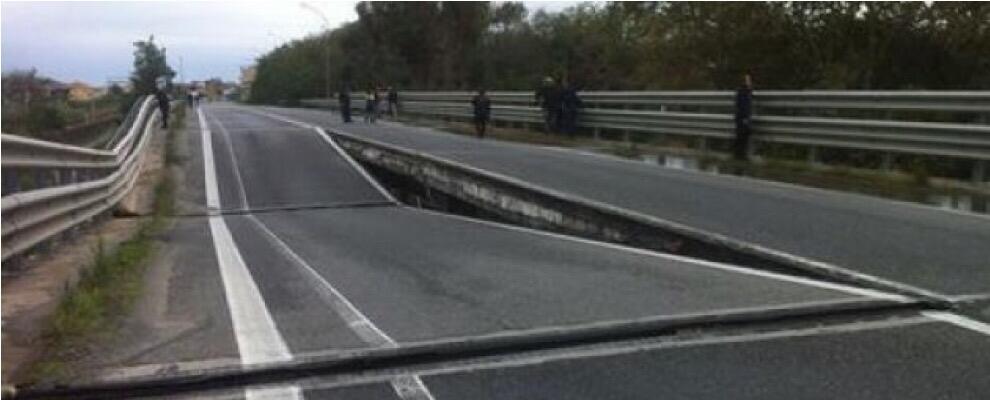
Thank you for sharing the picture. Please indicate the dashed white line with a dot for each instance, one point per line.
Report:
(959, 320)
(258, 338)
(409, 387)
(233, 158)
(323, 135)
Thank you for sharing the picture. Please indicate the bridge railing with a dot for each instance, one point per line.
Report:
(936, 123)
(69, 185)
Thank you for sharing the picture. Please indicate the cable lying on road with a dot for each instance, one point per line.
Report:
(453, 350)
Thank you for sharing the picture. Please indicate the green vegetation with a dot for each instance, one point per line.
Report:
(108, 288)
(150, 64)
(38, 106)
(636, 46)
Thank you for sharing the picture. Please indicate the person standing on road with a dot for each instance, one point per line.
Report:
(743, 119)
(393, 102)
(163, 106)
(548, 98)
(344, 99)
(482, 106)
(570, 106)
(370, 105)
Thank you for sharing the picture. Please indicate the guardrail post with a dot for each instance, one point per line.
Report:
(980, 171)
(597, 132)
(625, 133)
(41, 179)
(11, 183)
(813, 155)
(887, 162)
(703, 144)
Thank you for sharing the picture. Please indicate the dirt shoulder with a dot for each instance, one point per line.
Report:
(33, 293)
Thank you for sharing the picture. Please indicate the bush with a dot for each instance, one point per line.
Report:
(45, 117)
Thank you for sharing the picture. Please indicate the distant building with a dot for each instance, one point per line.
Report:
(247, 79)
(213, 89)
(81, 92)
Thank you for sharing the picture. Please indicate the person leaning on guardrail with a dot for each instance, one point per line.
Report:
(570, 106)
(344, 99)
(548, 98)
(393, 102)
(482, 106)
(743, 118)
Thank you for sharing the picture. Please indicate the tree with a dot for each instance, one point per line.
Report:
(641, 45)
(150, 63)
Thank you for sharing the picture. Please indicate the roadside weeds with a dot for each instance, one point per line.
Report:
(107, 288)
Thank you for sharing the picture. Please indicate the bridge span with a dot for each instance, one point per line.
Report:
(294, 270)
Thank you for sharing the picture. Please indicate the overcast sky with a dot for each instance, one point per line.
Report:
(92, 41)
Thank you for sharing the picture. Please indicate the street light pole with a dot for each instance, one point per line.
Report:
(326, 51)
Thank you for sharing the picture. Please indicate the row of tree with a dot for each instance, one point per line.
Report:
(643, 45)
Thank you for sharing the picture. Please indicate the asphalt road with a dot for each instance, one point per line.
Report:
(934, 249)
(305, 242)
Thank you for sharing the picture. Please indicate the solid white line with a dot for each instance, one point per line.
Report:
(212, 189)
(323, 134)
(959, 320)
(407, 387)
(258, 339)
(876, 294)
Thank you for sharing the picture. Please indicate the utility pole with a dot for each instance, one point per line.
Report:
(326, 28)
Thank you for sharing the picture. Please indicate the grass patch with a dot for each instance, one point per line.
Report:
(108, 288)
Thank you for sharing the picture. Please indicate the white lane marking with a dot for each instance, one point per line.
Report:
(748, 271)
(210, 179)
(274, 392)
(959, 320)
(407, 387)
(360, 169)
(709, 264)
(258, 339)
(323, 134)
(685, 228)
(233, 158)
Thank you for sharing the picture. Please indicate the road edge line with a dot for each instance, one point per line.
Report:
(256, 334)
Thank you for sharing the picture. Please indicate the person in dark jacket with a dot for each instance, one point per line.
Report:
(344, 99)
(393, 102)
(163, 106)
(482, 112)
(743, 119)
(570, 106)
(548, 98)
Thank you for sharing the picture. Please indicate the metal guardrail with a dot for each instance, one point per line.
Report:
(805, 118)
(73, 184)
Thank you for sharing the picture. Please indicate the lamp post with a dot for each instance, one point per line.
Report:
(326, 27)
